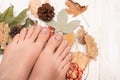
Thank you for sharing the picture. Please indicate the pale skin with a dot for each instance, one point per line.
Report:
(34, 55)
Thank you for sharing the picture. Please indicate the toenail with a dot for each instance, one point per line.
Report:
(61, 33)
(44, 31)
(24, 29)
(58, 37)
(18, 34)
(68, 47)
(65, 41)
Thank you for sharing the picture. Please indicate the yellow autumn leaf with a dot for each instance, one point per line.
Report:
(70, 38)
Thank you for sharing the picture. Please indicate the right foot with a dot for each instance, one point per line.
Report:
(54, 58)
(22, 53)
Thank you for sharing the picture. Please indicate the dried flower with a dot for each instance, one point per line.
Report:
(46, 12)
(4, 34)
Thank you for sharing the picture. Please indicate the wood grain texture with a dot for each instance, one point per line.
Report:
(103, 17)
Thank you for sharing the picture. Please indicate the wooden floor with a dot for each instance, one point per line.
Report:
(103, 17)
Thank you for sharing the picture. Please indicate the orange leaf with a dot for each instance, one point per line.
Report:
(70, 38)
(92, 49)
(75, 8)
(81, 59)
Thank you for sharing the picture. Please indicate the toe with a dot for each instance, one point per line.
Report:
(29, 33)
(53, 43)
(65, 52)
(22, 34)
(61, 48)
(63, 72)
(15, 39)
(64, 62)
(35, 33)
(43, 37)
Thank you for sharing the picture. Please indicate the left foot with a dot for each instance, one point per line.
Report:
(22, 53)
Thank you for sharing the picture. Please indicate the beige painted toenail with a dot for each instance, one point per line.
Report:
(58, 37)
(44, 31)
(24, 29)
(65, 41)
(69, 47)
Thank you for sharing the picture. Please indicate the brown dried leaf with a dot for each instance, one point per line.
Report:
(34, 5)
(70, 38)
(92, 49)
(81, 59)
(75, 8)
(85, 38)
(4, 34)
(81, 36)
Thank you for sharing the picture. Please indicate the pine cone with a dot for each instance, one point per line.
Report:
(15, 30)
(46, 12)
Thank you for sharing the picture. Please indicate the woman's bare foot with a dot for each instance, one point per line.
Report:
(21, 54)
(52, 60)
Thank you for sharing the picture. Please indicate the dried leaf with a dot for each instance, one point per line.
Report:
(92, 49)
(81, 59)
(16, 20)
(62, 25)
(28, 22)
(62, 17)
(7, 14)
(72, 25)
(81, 35)
(70, 38)
(34, 5)
(85, 38)
(4, 34)
(75, 8)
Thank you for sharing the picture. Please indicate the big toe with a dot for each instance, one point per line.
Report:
(43, 37)
(53, 43)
